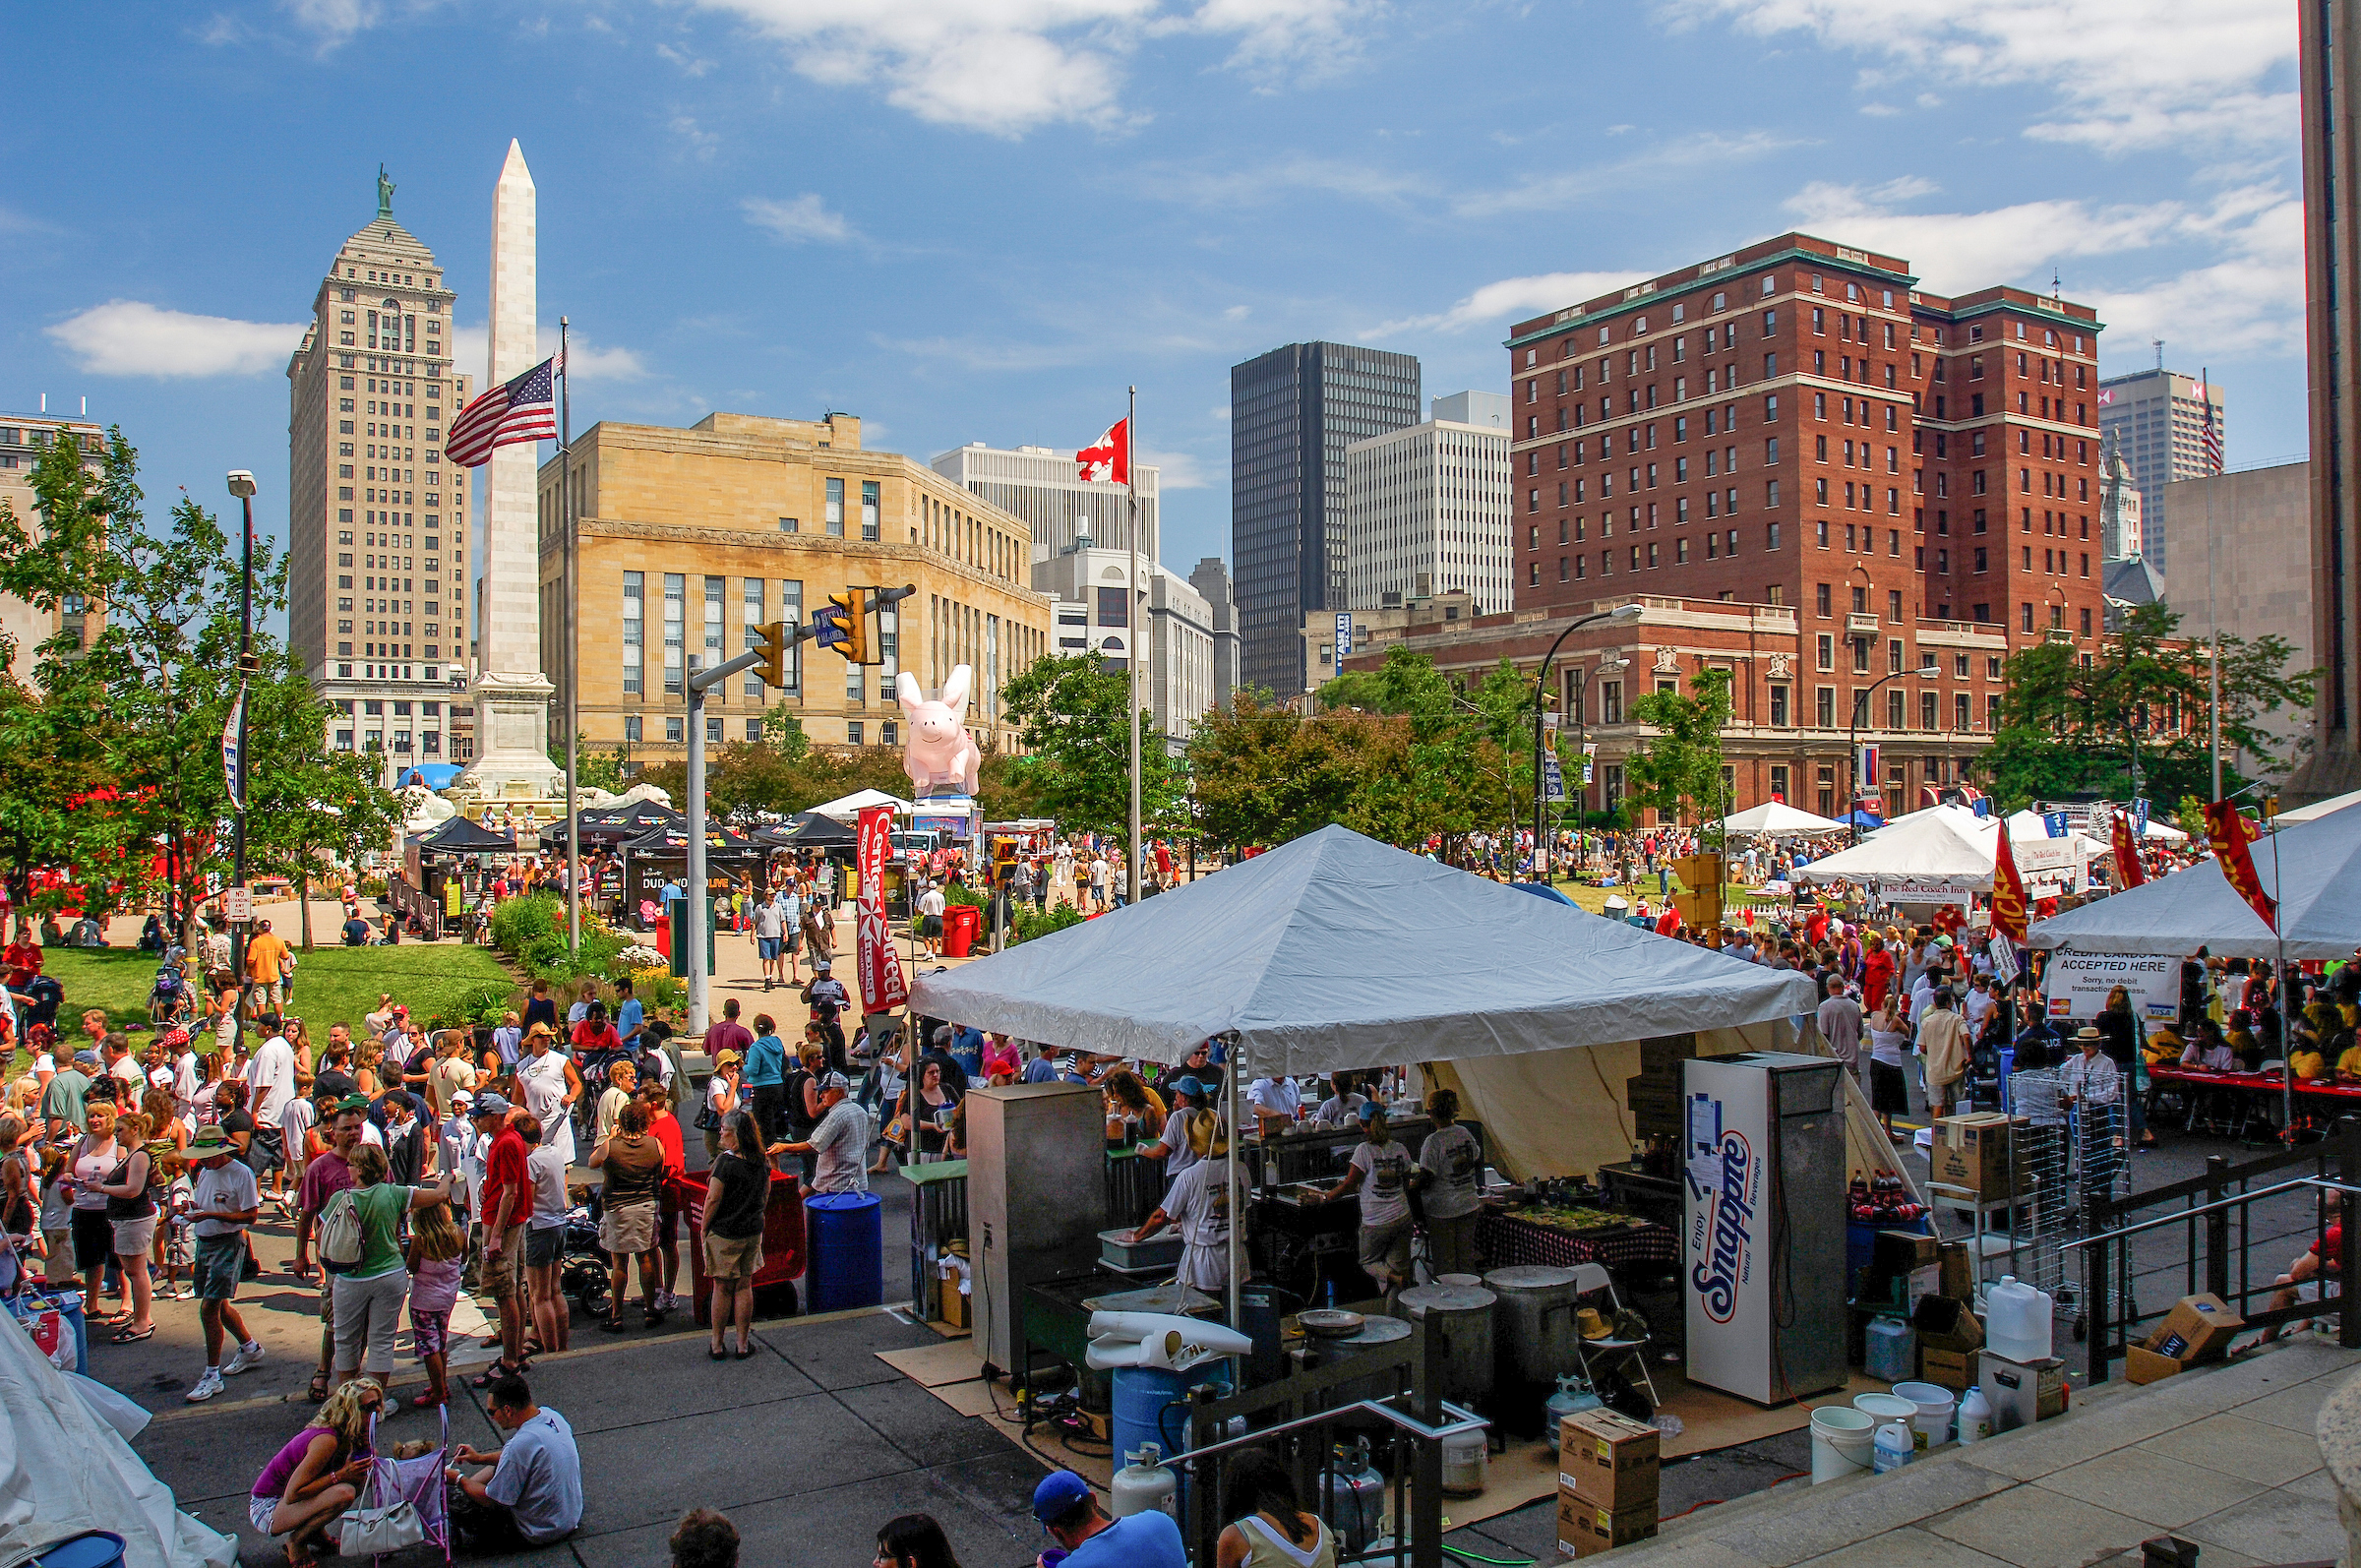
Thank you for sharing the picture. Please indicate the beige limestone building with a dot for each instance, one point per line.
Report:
(377, 521)
(22, 438)
(2243, 566)
(687, 540)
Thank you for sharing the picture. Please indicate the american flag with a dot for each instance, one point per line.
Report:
(522, 409)
(2213, 431)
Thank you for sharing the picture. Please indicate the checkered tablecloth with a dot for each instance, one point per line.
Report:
(1508, 1241)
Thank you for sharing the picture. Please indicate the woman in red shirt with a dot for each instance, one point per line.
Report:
(1877, 974)
(665, 1129)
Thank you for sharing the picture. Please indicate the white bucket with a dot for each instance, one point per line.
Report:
(1841, 1442)
(1935, 1405)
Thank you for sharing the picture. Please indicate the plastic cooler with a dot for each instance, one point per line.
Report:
(783, 1240)
(848, 1258)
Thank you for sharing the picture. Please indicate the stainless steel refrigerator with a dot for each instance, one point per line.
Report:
(1036, 1198)
(1763, 1154)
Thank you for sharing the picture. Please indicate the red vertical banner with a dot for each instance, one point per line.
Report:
(2008, 891)
(882, 983)
(2229, 833)
(2128, 870)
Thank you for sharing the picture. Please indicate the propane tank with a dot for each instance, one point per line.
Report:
(1466, 1458)
(1573, 1397)
(1354, 1500)
(1143, 1486)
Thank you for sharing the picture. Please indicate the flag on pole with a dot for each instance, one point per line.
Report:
(524, 408)
(233, 765)
(2128, 870)
(1109, 457)
(2213, 430)
(2008, 891)
(883, 985)
(2229, 833)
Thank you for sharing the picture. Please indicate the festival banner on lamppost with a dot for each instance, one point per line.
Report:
(2128, 870)
(2008, 891)
(882, 983)
(2230, 833)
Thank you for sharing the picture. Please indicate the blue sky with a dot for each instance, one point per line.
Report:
(979, 219)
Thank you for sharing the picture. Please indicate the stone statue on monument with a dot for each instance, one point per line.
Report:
(384, 192)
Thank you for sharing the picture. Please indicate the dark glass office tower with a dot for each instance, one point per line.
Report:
(1292, 411)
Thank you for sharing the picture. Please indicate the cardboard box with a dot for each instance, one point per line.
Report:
(2022, 1392)
(1957, 1271)
(1949, 1340)
(1585, 1530)
(957, 1307)
(1973, 1152)
(2198, 1329)
(1608, 1461)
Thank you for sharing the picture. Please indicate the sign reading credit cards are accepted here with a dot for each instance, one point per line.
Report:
(2077, 984)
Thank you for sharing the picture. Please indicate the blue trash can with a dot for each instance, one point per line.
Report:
(93, 1548)
(844, 1234)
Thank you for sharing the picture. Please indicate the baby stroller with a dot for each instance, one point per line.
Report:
(404, 1502)
(171, 999)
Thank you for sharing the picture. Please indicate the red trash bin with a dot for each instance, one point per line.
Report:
(961, 923)
(782, 1233)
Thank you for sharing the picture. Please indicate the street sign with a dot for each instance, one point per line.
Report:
(1554, 780)
(237, 904)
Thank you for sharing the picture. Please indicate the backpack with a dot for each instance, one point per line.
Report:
(341, 1233)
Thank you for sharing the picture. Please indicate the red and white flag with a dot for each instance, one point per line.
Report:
(1109, 457)
(883, 985)
(524, 408)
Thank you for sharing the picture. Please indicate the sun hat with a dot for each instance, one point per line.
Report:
(209, 1141)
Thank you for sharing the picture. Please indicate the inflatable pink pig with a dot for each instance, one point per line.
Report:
(940, 750)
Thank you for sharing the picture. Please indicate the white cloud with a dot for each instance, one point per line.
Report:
(1274, 179)
(1510, 298)
(586, 360)
(691, 64)
(2127, 74)
(1176, 471)
(130, 337)
(806, 217)
(1236, 313)
(1559, 192)
(335, 20)
(701, 143)
(1010, 66)
(1954, 252)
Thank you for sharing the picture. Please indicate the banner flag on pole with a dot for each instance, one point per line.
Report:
(2230, 833)
(233, 765)
(2008, 891)
(883, 985)
(2128, 870)
(1109, 458)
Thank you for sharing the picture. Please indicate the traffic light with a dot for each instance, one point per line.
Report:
(773, 640)
(852, 614)
(1701, 905)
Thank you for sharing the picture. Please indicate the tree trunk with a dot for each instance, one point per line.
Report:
(303, 893)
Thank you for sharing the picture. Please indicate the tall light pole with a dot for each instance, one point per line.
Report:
(241, 485)
(1139, 608)
(1612, 664)
(1621, 614)
(1852, 743)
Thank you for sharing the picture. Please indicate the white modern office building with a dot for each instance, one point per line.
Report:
(1168, 626)
(1043, 486)
(1430, 509)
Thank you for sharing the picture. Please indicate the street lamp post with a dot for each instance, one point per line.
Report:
(1621, 614)
(1613, 664)
(241, 485)
(1852, 743)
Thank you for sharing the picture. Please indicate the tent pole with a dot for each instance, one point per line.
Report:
(1237, 1066)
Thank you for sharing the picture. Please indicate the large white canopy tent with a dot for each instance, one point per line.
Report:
(2318, 903)
(1950, 849)
(2320, 809)
(1777, 819)
(845, 808)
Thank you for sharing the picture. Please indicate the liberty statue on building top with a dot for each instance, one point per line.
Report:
(384, 192)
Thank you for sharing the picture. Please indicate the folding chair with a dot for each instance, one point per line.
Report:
(1616, 1355)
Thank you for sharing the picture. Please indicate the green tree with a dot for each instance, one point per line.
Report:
(1263, 774)
(1678, 769)
(595, 768)
(2068, 728)
(1069, 712)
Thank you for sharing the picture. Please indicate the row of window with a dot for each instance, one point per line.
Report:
(676, 730)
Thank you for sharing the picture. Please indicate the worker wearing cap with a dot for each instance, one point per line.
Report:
(224, 1201)
(1190, 1132)
(1065, 1507)
(1201, 1202)
(1381, 1172)
(839, 1143)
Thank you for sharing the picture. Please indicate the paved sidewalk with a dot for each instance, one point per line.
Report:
(2224, 1457)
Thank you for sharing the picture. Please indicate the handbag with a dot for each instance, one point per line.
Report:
(375, 1531)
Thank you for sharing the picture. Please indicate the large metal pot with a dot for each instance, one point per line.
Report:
(1534, 1325)
(1463, 1315)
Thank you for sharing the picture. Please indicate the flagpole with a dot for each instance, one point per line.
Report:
(2212, 625)
(1138, 609)
(574, 837)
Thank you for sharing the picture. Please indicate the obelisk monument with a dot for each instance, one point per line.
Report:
(512, 695)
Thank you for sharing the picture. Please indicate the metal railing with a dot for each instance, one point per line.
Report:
(2220, 1233)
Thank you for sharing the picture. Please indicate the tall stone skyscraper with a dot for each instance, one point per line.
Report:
(2330, 37)
(1293, 412)
(377, 521)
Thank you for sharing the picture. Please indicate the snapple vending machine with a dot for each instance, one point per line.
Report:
(1763, 1155)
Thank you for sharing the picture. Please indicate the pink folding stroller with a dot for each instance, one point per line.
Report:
(419, 1481)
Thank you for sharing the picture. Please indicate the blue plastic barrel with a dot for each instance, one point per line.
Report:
(845, 1268)
(96, 1549)
(1143, 1394)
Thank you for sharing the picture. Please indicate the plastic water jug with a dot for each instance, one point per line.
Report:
(1143, 1486)
(1890, 1349)
(1976, 1416)
(2017, 1321)
(1896, 1446)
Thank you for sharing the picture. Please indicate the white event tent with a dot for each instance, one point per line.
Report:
(2319, 903)
(2320, 809)
(846, 808)
(1948, 849)
(1336, 951)
(1777, 819)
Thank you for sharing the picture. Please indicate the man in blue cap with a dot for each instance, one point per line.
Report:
(1066, 1508)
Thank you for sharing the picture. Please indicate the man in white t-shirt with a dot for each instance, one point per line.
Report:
(1201, 1202)
(839, 1143)
(1276, 1102)
(931, 905)
(271, 1075)
(532, 1492)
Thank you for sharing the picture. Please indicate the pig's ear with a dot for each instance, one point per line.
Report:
(909, 692)
(955, 690)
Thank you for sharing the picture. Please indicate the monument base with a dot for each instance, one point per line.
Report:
(512, 763)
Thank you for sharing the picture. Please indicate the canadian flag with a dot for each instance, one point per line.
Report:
(1109, 457)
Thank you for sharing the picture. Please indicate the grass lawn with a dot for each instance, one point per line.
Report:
(332, 984)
